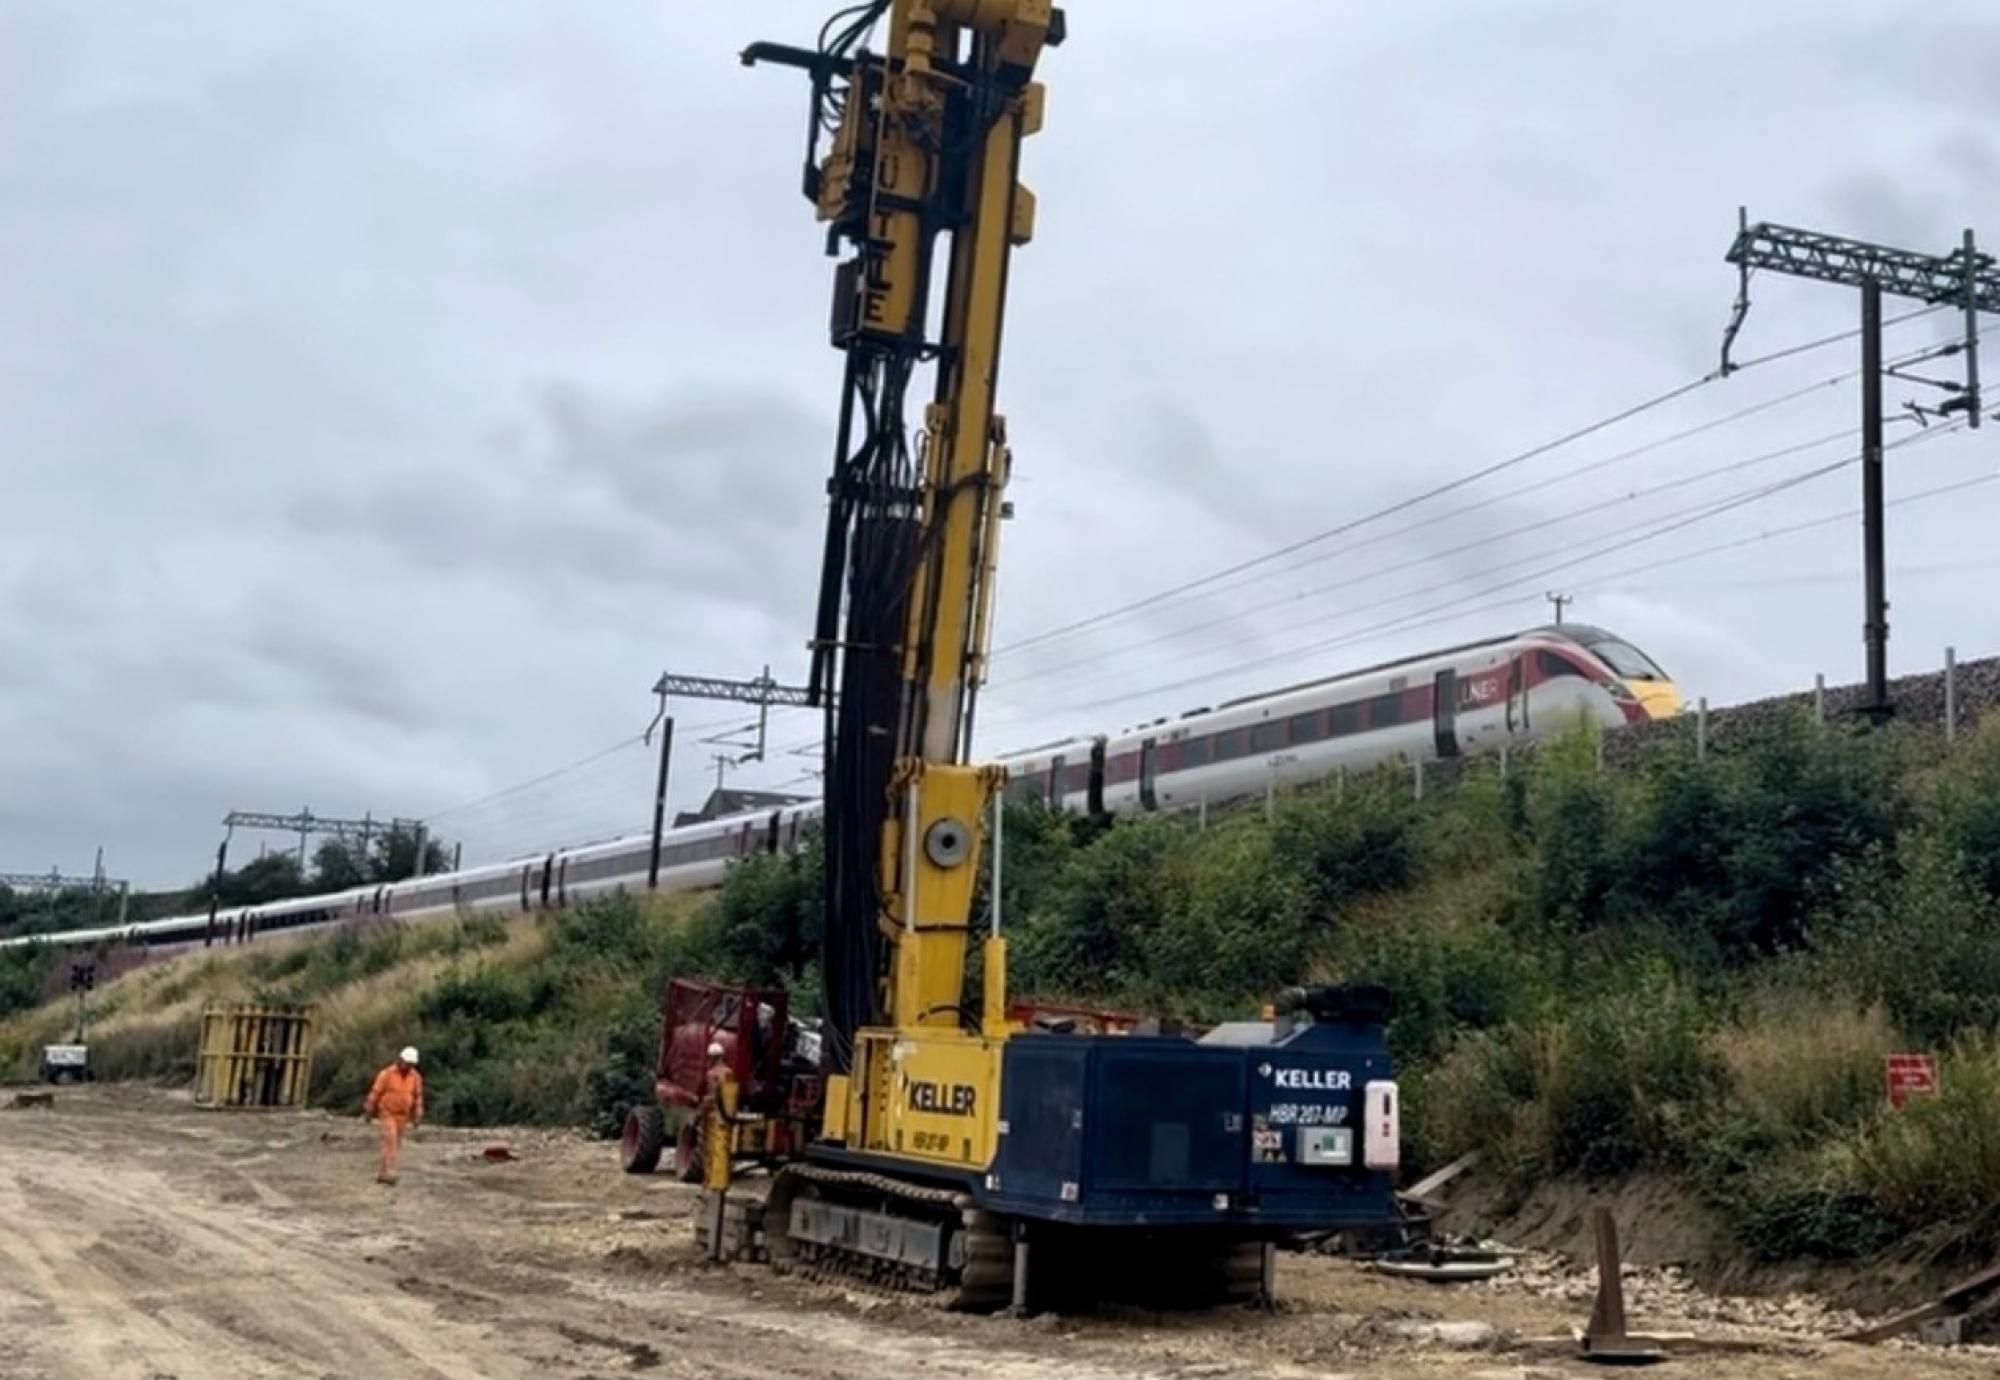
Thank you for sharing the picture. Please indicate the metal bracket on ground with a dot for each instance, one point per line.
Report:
(1606, 1341)
(1956, 1301)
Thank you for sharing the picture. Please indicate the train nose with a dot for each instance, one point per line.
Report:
(1661, 699)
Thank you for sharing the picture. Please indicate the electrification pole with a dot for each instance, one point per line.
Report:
(215, 886)
(1964, 277)
(1875, 597)
(666, 727)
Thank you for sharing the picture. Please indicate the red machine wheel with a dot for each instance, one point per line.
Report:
(645, 1136)
(687, 1152)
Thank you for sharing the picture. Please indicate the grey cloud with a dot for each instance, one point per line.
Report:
(326, 668)
(291, 509)
(688, 497)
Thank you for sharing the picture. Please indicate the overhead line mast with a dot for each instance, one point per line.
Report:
(1965, 277)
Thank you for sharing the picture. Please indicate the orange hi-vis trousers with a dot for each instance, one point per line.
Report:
(393, 1129)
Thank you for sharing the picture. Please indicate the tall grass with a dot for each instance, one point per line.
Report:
(1802, 1065)
(1934, 1167)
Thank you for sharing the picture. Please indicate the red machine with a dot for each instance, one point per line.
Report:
(773, 1061)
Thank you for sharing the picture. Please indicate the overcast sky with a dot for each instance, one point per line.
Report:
(389, 393)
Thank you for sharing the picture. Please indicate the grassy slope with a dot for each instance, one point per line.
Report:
(1691, 971)
(534, 1021)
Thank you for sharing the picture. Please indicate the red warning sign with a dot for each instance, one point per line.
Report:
(1911, 1075)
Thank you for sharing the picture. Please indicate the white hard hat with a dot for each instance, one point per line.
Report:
(715, 1050)
(409, 1054)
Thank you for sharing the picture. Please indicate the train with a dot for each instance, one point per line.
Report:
(1474, 698)
(1478, 697)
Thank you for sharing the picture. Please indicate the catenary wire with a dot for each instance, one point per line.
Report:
(1436, 491)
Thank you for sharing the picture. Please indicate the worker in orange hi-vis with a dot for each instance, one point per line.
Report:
(396, 1102)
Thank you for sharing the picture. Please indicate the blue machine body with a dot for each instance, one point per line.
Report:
(1245, 1133)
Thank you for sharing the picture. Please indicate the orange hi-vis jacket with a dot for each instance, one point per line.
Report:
(397, 1093)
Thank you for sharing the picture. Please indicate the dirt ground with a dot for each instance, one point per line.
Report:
(141, 1239)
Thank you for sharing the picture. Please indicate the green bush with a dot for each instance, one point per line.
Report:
(1472, 1098)
(1091, 932)
(1622, 1079)
(767, 920)
(1346, 845)
(24, 972)
(1038, 845)
(1675, 861)
(1450, 960)
(622, 1075)
(1597, 1087)
(1968, 806)
(1916, 934)
(541, 1079)
(1804, 800)
(313, 968)
(1571, 809)
(1237, 925)
(1477, 825)
(1803, 1207)
(490, 996)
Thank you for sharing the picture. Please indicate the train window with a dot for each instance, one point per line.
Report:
(1197, 752)
(1167, 757)
(1268, 736)
(1303, 728)
(1627, 660)
(1345, 719)
(1553, 664)
(1384, 711)
(1022, 789)
(1231, 744)
(1075, 778)
(1122, 768)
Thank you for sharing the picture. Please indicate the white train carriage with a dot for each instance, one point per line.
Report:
(1464, 700)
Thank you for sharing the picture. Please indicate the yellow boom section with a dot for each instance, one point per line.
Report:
(925, 149)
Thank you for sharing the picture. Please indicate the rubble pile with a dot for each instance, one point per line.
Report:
(1665, 1297)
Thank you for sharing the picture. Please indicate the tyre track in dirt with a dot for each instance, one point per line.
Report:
(136, 1279)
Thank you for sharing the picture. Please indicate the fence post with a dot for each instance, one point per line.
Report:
(1819, 698)
(1201, 821)
(1270, 800)
(1503, 761)
(1600, 752)
(1701, 729)
(1951, 694)
(1417, 763)
(1339, 784)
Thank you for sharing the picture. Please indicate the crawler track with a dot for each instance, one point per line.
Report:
(976, 1274)
(1070, 1268)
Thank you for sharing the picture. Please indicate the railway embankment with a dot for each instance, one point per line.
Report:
(1640, 960)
